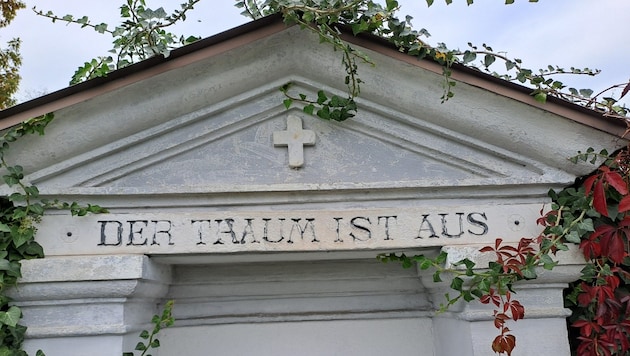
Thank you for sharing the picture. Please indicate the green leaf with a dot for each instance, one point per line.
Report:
(529, 272)
(140, 346)
(469, 57)
(287, 103)
(4, 228)
(548, 262)
(426, 264)
(309, 109)
(540, 97)
(391, 4)
(488, 59)
(321, 97)
(144, 334)
(586, 92)
(457, 284)
(5, 265)
(441, 258)
(573, 237)
(11, 317)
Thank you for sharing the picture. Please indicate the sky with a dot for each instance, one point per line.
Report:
(578, 33)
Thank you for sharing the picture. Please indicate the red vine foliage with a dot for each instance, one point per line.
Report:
(601, 299)
(594, 214)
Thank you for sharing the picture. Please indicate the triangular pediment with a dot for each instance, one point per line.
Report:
(207, 128)
(230, 147)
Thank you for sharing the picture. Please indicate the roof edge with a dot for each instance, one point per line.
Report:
(477, 78)
(265, 26)
(21, 112)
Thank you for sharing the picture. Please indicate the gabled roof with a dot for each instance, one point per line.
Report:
(259, 29)
(197, 129)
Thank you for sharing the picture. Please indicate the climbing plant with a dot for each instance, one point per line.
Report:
(594, 213)
(19, 212)
(332, 19)
(159, 322)
(10, 58)
(141, 34)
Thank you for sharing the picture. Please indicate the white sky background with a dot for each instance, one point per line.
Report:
(579, 33)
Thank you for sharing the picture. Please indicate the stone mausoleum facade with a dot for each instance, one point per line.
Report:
(263, 224)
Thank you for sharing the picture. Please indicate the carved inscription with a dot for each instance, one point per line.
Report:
(290, 230)
(286, 231)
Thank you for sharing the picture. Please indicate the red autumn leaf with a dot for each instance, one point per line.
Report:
(500, 319)
(491, 297)
(624, 204)
(612, 242)
(591, 248)
(612, 281)
(504, 343)
(587, 327)
(592, 347)
(517, 310)
(616, 334)
(615, 180)
(588, 183)
(587, 296)
(497, 243)
(625, 91)
(614, 247)
(599, 198)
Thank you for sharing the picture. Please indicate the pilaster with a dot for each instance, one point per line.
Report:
(543, 331)
(89, 305)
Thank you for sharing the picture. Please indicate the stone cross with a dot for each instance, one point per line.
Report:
(294, 138)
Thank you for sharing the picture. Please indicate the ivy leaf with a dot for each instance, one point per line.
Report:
(4, 228)
(586, 93)
(309, 109)
(144, 334)
(11, 317)
(436, 277)
(573, 237)
(469, 56)
(529, 272)
(140, 346)
(540, 97)
(457, 284)
(391, 4)
(488, 59)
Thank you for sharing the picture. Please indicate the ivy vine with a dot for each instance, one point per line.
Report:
(142, 34)
(329, 19)
(19, 213)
